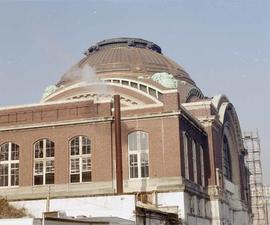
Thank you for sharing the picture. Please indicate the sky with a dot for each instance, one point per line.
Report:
(223, 44)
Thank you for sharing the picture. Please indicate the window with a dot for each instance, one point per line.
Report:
(196, 205)
(152, 92)
(194, 161)
(80, 160)
(9, 165)
(125, 82)
(193, 205)
(201, 208)
(143, 88)
(227, 167)
(134, 85)
(160, 96)
(185, 142)
(138, 151)
(44, 162)
(202, 166)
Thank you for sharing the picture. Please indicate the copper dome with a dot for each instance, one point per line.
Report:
(127, 57)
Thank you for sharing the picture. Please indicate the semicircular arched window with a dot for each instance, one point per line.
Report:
(44, 162)
(185, 143)
(80, 159)
(9, 164)
(227, 164)
(138, 152)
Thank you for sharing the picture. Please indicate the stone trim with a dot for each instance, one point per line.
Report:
(62, 123)
(92, 188)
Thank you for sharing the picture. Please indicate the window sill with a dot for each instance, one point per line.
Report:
(42, 185)
(5, 187)
(88, 182)
(139, 178)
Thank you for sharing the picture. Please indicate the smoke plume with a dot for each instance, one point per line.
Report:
(87, 75)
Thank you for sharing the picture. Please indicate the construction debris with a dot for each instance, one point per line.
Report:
(9, 211)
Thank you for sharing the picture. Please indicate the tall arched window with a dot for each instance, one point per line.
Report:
(44, 162)
(138, 154)
(80, 159)
(185, 142)
(194, 159)
(202, 165)
(227, 166)
(9, 164)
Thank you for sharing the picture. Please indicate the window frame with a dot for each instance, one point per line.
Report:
(138, 153)
(9, 162)
(80, 158)
(44, 160)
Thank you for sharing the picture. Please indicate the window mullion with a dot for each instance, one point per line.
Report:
(80, 159)
(9, 163)
(139, 164)
(44, 148)
(9, 173)
(139, 154)
(44, 171)
(44, 161)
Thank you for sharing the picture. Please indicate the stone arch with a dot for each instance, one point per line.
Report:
(231, 129)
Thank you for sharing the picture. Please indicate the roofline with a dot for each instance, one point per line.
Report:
(125, 41)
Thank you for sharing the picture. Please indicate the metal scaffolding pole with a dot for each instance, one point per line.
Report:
(253, 163)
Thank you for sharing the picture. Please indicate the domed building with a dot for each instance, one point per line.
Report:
(126, 133)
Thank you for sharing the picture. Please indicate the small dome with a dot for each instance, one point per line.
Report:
(127, 57)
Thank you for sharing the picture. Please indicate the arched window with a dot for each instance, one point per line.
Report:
(185, 142)
(138, 152)
(194, 160)
(202, 165)
(80, 159)
(9, 164)
(227, 167)
(44, 162)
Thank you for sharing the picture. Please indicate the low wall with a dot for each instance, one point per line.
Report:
(103, 206)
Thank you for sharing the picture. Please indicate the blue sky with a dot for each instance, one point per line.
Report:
(224, 45)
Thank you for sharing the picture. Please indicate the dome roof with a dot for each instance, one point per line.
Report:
(130, 66)
(127, 57)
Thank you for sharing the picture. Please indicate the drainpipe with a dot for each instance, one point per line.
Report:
(118, 145)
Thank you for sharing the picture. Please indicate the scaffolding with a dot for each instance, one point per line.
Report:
(253, 163)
